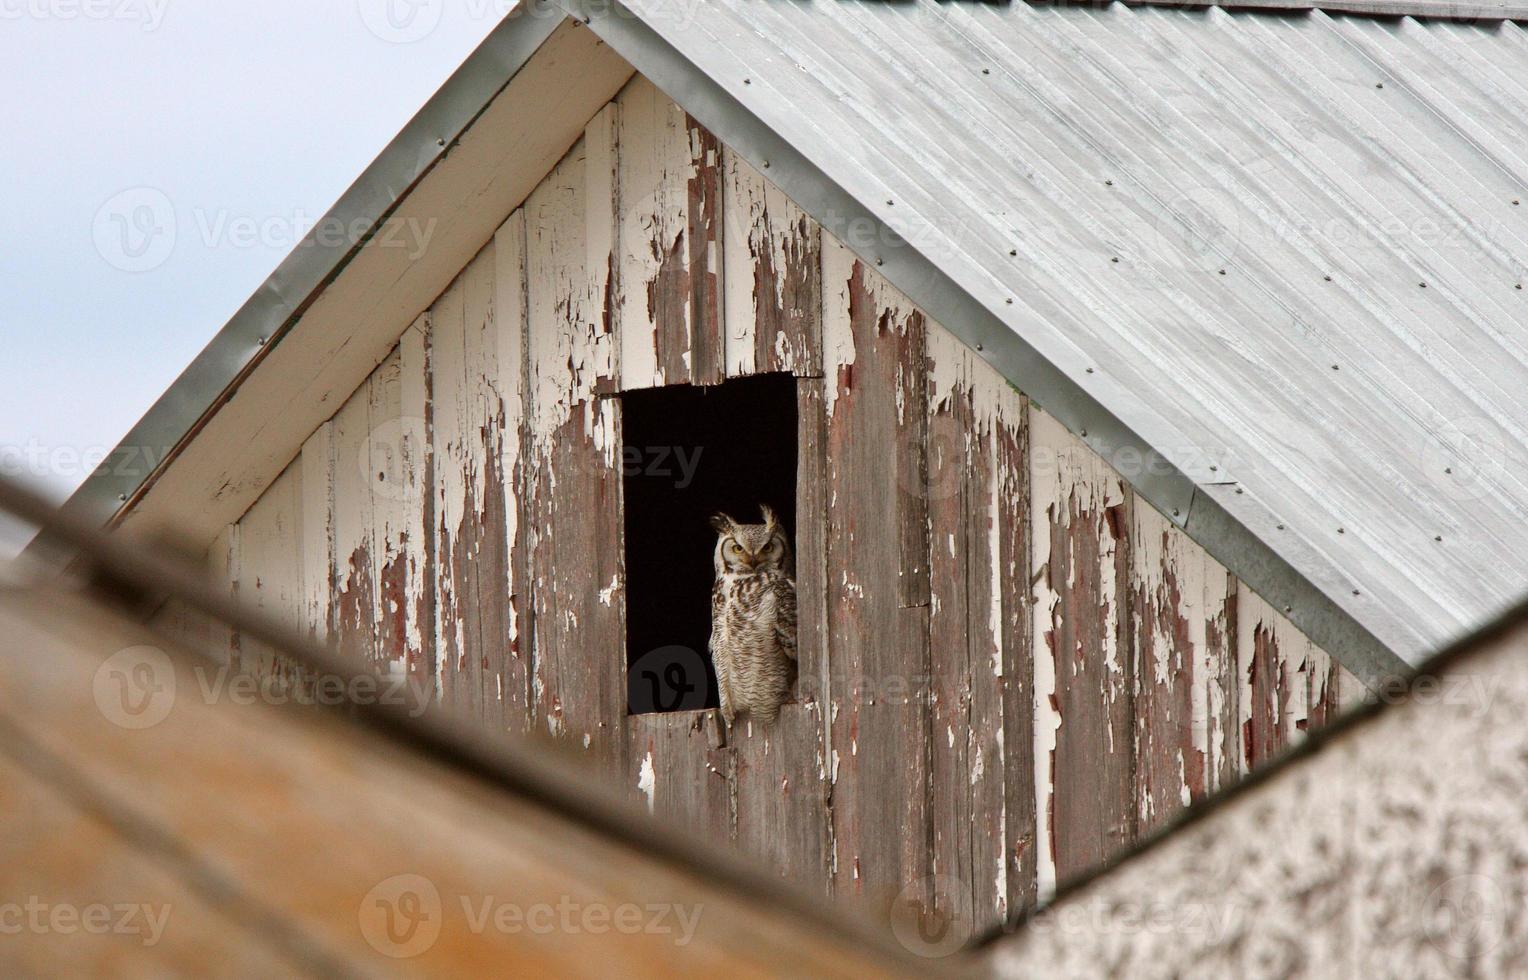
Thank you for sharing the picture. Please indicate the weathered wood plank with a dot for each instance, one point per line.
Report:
(223, 571)
(1015, 604)
(681, 770)
(355, 611)
(573, 480)
(773, 279)
(1287, 685)
(878, 646)
(780, 794)
(513, 427)
(966, 667)
(407, 578)
(1185, 696)
(1083, 673)
(482, 673)
(382, 597)
(317, 463)
(271, 566)
(669, 266)
(811, 543)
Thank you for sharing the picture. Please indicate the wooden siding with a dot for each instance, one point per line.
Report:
(1010, 666)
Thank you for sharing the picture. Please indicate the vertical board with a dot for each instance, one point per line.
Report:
(573, 511)
(270, 568)
(773, 279)
(382, 594)
(1182, 607)
(1015, 620)
(1286, 684)
(966, 752)
(780, 794)
(877, 578)
(682, 771)
(512, 426)
(811, 542)
(317, 464)
(1083, 729)
(669, 262)
(474, 370)
(355, 588)
(223, 573)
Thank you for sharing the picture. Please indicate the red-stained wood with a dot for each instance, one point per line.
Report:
(1084, 695)
(680, 768)
(1287, 685)
(773, 280)
(878, 652)
(780, 794)
(573, 477)
(483, 671)
(968, 404)
(1181, 604)
(1011, 466)
(668, 260)
(812, 624)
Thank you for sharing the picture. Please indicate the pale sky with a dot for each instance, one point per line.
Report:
(239, 116)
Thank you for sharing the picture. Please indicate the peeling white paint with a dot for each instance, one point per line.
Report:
(647, 781)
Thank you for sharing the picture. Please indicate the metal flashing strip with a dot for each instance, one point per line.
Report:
(1161, 484)
(257, 327)
(1461, 12)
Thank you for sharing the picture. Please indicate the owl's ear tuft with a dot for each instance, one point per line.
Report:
(722, 522)
(770, 521)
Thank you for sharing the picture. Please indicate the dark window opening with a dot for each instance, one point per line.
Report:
(688, 452)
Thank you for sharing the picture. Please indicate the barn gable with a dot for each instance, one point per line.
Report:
(1022, 645)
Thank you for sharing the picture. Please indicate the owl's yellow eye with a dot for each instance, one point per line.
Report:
(732, 550)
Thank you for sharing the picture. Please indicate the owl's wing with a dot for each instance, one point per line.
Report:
(785, 615)
(718, 603)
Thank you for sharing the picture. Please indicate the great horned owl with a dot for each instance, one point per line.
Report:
(753, 617)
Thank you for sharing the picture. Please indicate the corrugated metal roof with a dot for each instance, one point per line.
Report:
(1283, 249)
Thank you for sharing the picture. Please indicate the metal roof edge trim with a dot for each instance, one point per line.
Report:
(1445, 10)
(1164, 486)
(148, 448)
